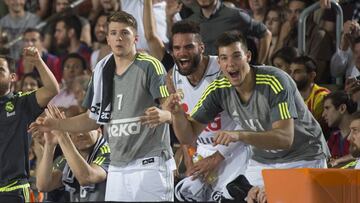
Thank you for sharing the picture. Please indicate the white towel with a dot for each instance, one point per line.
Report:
(97, 99)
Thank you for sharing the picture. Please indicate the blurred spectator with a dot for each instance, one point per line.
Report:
(274, 18)
(351, 11)
(78, 88)
(100, 32)
(303, 71)
(259, 9)
(103, 6)
(135, 8)
(346, 61)
(67, 38)
(214, 14)
(318, 43)
(283, 57)
(4, 39)
(338, 108)
(30, 82)
(41, 8)
(354, 138)
(34, 37)
(16, 22)
(62, 8)
(73, 66)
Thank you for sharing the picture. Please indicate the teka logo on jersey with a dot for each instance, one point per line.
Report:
(125, 127)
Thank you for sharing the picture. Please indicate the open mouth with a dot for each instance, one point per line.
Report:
(184, 62)
(234, 74)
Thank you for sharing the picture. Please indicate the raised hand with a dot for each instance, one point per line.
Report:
(173, 103)
(31, 56)
(172, 7)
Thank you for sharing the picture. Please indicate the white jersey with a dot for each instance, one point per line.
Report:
(192, 95)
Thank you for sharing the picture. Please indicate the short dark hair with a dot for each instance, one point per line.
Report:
(77, 56)
(33, 75)
(123, 17)
(355, 116)
(10, 61)
(338, 98)
(30, 29)
(72, 22)
(186, 26)
(286, 53)
(306, 2)
(230, 37)
(308, 62)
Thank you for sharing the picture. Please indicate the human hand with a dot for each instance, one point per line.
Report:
(172, 8)
(352, 85)
(325, 3)
(206, 167)
(155, 116)
(256, 195)
(226, 137)
(31, 56)
(173, 103)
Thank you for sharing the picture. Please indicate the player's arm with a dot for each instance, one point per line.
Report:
(76, 124)
(264, 46)
(84, 172)
(50, 87)
(48, 178)
(281, 136)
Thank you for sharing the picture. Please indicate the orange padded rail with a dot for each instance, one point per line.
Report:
(312, 185)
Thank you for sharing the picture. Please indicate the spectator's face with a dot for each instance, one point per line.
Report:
(72, 69)
(354, 138)
(15, 6)
(272, 22)
(121, 38)
(187, 52)
(61, 35)
(84, 141)
(206, 3)
(61, 5)
(234, 62)
(294, 10)
(281, 64)
(356, 55)
(32, 39)
(101, 29)
(331, 115)
(300, 76)
(5, 77)
(29, 84)
(257, 4)
(108, 5)
(78, 92)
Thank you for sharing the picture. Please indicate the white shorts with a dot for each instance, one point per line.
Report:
(253, 171)
(146, 179)
(229, 170)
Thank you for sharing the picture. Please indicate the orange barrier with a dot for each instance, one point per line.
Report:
(312, 185)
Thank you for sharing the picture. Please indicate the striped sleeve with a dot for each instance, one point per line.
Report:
(102, 157)
(281, 93)
(210, 103)
(156, 76)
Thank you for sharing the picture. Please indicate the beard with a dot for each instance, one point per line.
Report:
(205, 6)
(194, 62)
(302, 84)
(354, 150)
(4, 87)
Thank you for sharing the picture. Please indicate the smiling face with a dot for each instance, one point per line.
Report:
(234, 62)
(121, 38)
(187, 52)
